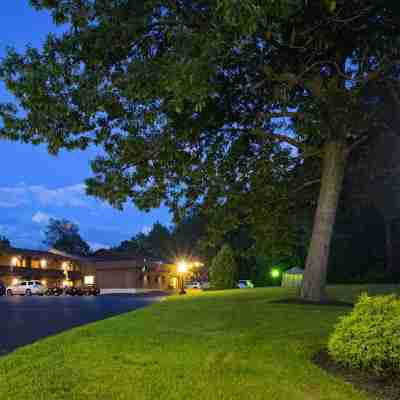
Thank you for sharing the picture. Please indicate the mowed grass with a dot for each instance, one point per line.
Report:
(234, 344)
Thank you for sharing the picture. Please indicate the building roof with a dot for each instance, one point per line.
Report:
(32, 253)
(66, 255)
(295, 271)
(109, 259)
(114, 255)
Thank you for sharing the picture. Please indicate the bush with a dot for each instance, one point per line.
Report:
(223, 269)
(369, 337)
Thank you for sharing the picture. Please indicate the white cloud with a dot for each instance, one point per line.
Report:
(68, 196)
(41, 218)
(73, 196)
(146, 229)
(97, 246)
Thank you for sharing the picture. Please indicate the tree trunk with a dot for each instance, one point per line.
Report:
(334, 163)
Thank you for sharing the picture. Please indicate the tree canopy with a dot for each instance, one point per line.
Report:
(156, 243)
(182, 240)
(4, 241)
(218, 103)
(63, 235)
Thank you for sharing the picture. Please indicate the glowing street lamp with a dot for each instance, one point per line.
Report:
(275, 273)
(182, 269)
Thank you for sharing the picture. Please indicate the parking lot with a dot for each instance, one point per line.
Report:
(27, 319)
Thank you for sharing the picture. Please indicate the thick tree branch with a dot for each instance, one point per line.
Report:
(310, 153)
(285, 139)
(356, 144)
(307, 184)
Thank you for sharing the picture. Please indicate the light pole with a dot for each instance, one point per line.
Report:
(182, 269)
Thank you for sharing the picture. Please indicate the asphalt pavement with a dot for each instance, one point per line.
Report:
(23, 320)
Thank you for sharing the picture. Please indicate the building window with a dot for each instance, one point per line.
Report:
(66, 266)
(174, 282)
(15, 262)
(88, 280)
(43, 263)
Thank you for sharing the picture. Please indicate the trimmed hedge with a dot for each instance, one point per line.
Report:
(369, 337)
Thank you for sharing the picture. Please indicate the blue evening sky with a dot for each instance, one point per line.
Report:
(35, 186)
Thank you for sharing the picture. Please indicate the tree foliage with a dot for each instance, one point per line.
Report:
(182, 240)
(212, 102)
(4, 241)
(223, 270)
(156, 243)
(63, 235)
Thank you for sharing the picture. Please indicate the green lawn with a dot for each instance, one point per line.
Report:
(215, 345)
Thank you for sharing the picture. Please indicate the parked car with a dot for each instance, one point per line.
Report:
(90, 290)
(54, 291)
(193, 285)
(245, 284)
(3, 289)
(73, 291)
(27, 288)
(82, 291)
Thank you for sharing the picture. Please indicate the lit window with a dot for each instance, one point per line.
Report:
(14, 261)
(89, 280)
(43, 263)
(64, 266)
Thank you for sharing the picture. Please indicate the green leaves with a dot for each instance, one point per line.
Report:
(183, 96)
(368, 337)
(223, 269)
(330, 5)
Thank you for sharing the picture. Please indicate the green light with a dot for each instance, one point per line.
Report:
(275, 273)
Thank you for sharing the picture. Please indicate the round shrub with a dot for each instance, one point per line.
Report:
(369, 337)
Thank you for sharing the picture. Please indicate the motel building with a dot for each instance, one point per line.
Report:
(51, 269)
(111, 273)
(127, 273)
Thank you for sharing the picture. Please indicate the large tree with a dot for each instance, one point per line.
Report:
(4, 241)
(156, 243)
(182, 240)
(64, 235)
(211, 102)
